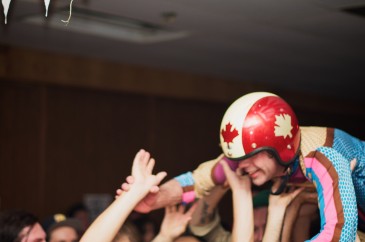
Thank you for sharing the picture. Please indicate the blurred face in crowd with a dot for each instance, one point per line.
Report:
(84, 217)
(260, 215)
(64, 234)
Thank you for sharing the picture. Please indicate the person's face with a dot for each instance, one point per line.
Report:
(260, 215)
(149, 233)
(83, 217)
(33, 234)
(261, 168)
(63, 234)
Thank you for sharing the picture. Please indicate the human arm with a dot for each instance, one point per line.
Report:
(107, 224)
(205, 221)
(336, 194)
(186, 187)
(299, 216)
(243, 224)
(174, 222)
(170, 193)
(276, 212)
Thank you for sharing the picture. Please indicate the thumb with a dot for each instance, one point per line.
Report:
(160, 176)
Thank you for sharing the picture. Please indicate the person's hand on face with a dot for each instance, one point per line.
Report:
(236, 179)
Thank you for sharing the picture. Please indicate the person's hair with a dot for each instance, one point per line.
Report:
(72, 210)
(12, 222)
(146, 225)
(130, 230)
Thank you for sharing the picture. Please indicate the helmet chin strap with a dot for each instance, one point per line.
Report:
(284, 181)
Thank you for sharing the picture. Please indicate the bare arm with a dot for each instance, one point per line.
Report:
(108, 223)
(299, 216)
(243, 224)
(276, 213)
(207, 205)
(185, 187)
(205, 221)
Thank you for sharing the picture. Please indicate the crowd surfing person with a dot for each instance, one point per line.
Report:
(260, 136)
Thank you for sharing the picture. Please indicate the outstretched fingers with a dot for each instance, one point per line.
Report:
(139, 162)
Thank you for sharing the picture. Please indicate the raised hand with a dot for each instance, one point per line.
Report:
(174, 222)
(243, 224)
(142, 173)
(139, 184)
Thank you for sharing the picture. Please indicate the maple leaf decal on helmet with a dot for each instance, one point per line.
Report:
(228, 134)
(284, 127)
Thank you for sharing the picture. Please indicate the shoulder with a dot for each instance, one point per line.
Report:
(313, 137)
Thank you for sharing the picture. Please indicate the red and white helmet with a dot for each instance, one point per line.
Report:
(260, 121)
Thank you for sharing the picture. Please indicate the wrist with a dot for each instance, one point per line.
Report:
(242, 193)
(134, 195)
(186, 182)
(276, 212)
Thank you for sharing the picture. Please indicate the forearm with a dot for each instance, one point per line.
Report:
(206, 207)
(289, 220)
(212, 231)
(274, 224)
(108, 223)
(205, 221)
(243, 221)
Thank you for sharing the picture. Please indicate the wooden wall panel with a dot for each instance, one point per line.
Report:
(21, 164)
(43, 67)
(187, 132)
(91, 140)
(93, 136)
